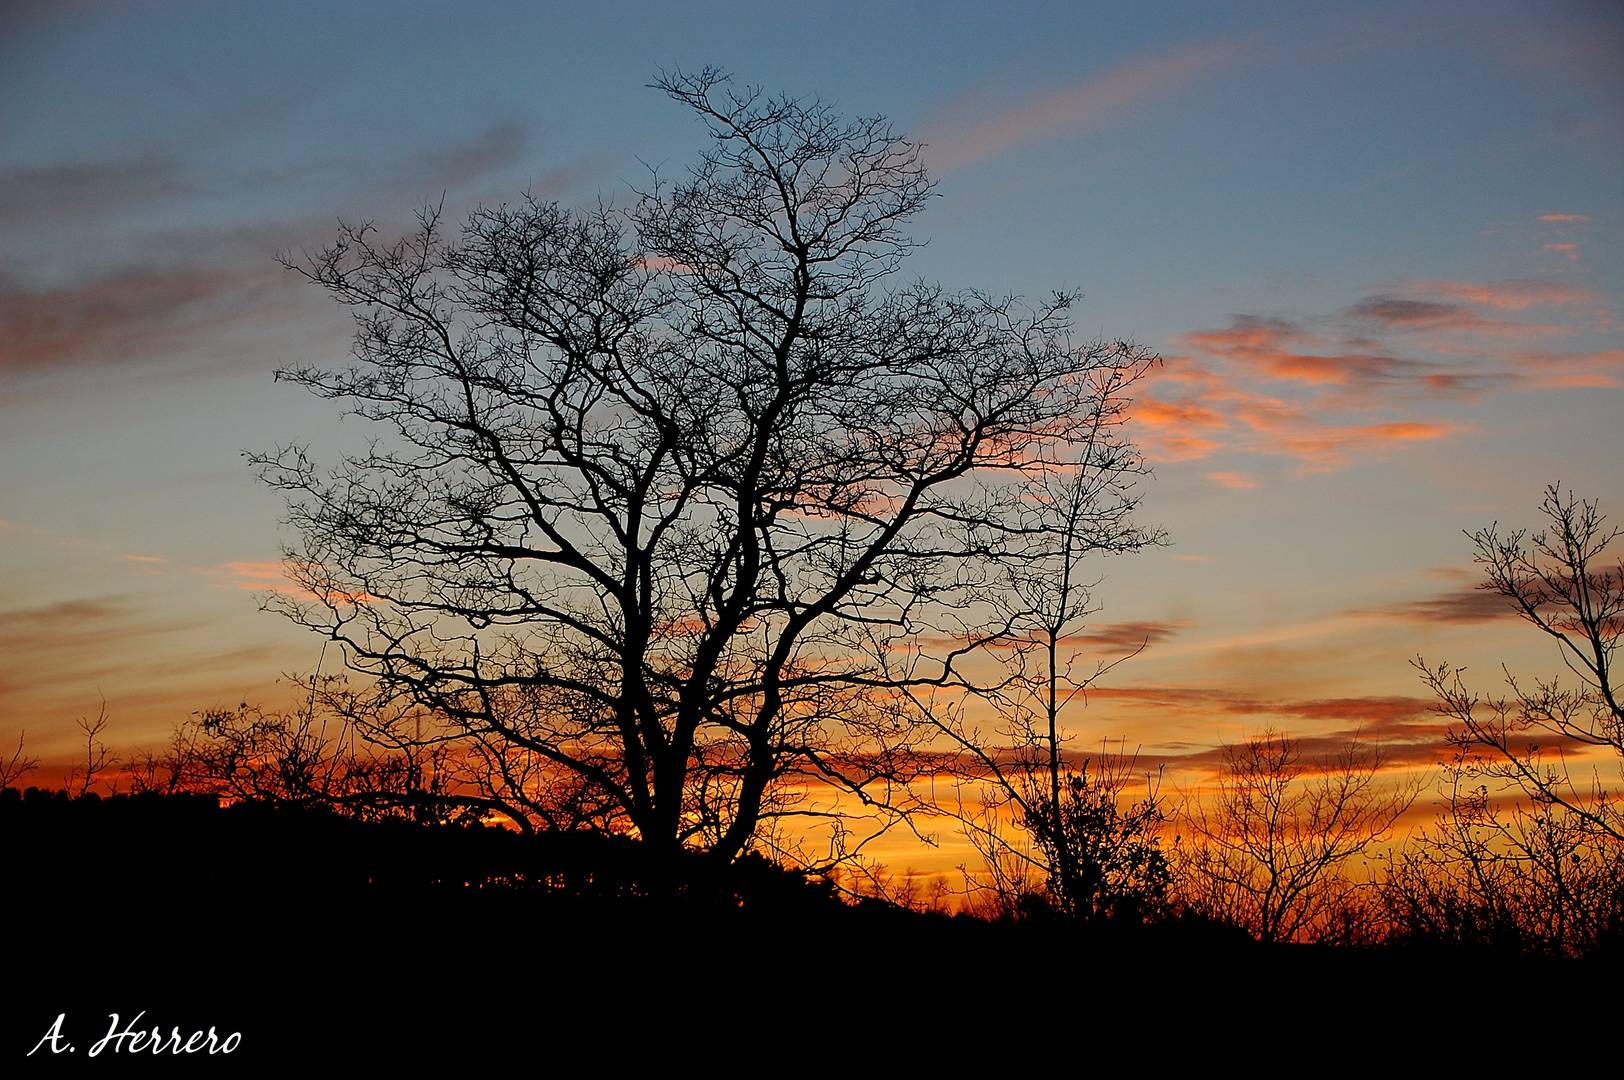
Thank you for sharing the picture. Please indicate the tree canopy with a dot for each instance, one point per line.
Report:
(676, 503)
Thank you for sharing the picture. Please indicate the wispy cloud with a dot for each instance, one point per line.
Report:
(1407, 313)
(80, 628)
(499, 146)
(114, 316)
(276, 577)
(1361, 381)
(1463, 605)
(1515, 295)
(1406, 729)
(32, 193)
(1325, 447)
(956, 140)
(1126, 637)
(1234, 481)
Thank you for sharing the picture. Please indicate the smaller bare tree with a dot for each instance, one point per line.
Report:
(1268, 849)
(1530, 847)
(18, 765)
(1556, 581)
(80, 781)
(1047, 829)
(1508, 874)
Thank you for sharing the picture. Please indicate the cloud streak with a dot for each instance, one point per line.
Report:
(31, 193)
(132, 312)
(1329, 390)
(1515, 295)
(1072, 111)
(1459, 606)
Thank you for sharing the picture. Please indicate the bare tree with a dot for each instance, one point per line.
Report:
(1027, 809)
(79, 781)
(678, 501)
(1556, 581)
(1520, 875)
(1530, 846)
(1268, 848)
(16, 766)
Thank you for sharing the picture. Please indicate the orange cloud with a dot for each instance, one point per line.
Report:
(1163, 414)
(1265, 346)
(1406, 728)
(1324, 447)
(1333, 390)
(1564, 219)
(1199, 412)
(1232, 480)
(143, 558)
(1074, 110)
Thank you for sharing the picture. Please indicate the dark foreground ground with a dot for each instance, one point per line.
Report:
(324, 943)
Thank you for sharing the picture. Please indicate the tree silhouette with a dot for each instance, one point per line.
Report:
(81, 780)
(680, 507)
(17, 764)
(1268, 848)
(1530, 847)
(1556, 581)
(1030, 811)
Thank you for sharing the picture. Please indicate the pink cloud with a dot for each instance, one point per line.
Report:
(278, 577)
(1564, 219)
(1325, 390)
(1074, 110)
(1170, 447)
(1274, 349)
(1514, 295)
(1233, 480)
(1554, 370)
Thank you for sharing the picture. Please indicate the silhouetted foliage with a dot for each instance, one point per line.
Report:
(1529, 878)
(1106, 861)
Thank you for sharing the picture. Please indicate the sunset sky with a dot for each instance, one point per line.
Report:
(1377, 245)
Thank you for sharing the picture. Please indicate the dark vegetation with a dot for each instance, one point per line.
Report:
(331, 939)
